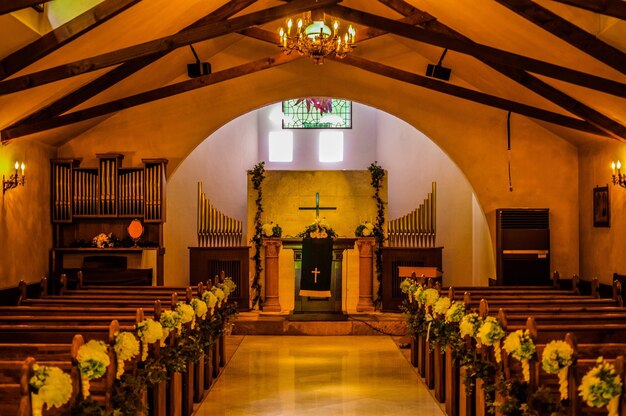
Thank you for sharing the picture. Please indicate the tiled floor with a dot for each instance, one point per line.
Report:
(310, 375)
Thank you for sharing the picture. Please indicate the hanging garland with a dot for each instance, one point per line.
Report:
(257, 176)
(378, 174)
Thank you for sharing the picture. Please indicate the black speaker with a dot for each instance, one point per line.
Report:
(197, 69)
(438, 71)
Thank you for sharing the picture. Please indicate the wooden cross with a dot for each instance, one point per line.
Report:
(315, 272)
(317, 207)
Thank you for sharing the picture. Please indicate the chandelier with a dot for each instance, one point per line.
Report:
(313, 38)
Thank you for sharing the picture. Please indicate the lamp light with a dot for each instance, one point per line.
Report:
(198, 68)
(14, 179)
(312, 37)
(618, 178)
(439, 71)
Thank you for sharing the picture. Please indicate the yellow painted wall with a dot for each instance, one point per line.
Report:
(473, 135)
(285, 191)
(601, 249)
(25, 229)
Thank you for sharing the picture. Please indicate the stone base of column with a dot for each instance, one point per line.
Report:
(365, 305)
(271, 304)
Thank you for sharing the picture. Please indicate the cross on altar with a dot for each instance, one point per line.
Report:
(317, 207)
(315, 273)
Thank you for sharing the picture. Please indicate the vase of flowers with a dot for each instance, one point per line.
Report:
(367, 229)
(271, 230)
(318, 229)
(103, 240)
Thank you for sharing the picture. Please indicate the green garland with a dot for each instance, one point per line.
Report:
(378, 174)
(257, 177)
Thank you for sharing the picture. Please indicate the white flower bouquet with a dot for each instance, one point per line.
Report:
(103, 240)
(556, 359)
(200, 308)
(490, 333)
(318, 229)
(149, 332)
(50, 386)
(601, 386)
(271, 230)
(455, 312)
(93, 360)
(521, 346)
(126, 348)
(366, 229)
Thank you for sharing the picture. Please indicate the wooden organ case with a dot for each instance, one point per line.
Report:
(411, 241)
(105, 199)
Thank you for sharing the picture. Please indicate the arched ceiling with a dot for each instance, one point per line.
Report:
(550, 61)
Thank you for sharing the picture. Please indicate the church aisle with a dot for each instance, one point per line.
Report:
(311, 375)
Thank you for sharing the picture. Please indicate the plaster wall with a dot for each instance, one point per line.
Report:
(25, 229)
(220, 164)
(601, 249)
(472, 135)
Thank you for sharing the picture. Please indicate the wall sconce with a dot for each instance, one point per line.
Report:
(618, 179)
(15, 179)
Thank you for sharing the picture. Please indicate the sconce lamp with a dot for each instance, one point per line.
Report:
(618, 179)
(15, 179)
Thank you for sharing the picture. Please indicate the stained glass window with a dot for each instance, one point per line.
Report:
(317, 113)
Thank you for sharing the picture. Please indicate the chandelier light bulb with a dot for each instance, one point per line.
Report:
(17, 165)
(23, 166)
(613, 167)
(619, 165)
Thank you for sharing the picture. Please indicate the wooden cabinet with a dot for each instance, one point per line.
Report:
(207, 262)
(394, 257)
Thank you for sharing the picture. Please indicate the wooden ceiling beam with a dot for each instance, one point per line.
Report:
(615, 8)
(8, 6)
(527, 80)
(469, 94)
(568, 32)
(123, 71)
(446, 88)
(161, 45)
(148, 96)
(62, 35)
(482, 52)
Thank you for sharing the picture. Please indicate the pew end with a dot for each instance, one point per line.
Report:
(502, 319)
(575, 283)
(483, 308)
(451, 293)
(23, 286)
(617, 292)
(63, 281)
(81, 282)
(595, 286)
(43, 287)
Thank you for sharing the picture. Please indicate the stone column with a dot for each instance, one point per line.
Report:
(366, 274)
(272, 248)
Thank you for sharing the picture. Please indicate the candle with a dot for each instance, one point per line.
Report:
(619, 166)
(613, 167)
(23, 167)
(17, 165)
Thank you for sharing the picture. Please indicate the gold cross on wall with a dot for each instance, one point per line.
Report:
(315, 272)
(317, 207)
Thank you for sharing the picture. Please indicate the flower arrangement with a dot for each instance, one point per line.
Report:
(149, 332)
(219, 294)
(441, 306)
(93, 359)
(228, 287)
(428, 297)
(126, 348)
(257, 175)
(366, 229)
(200, 308)
(170, 320)
(187, 313)
(556, 359)
(271, 230)
(521, 346)
(601, 386)
(51, 386)
(469, 325)
(409, 286)
(455, 312)
(490, 334)
(210, 299)
(318, 229)
(103, 240)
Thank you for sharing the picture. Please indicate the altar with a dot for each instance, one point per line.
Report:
(317, 305)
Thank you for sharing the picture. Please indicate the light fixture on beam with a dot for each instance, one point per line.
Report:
(197, 69)
(619, 179)
(14, 179)
(438, 71)
(312, 37)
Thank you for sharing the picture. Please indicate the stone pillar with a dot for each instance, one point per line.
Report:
(366, 273)
(272, 248)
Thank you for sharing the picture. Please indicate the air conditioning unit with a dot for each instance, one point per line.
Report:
(523, 246)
